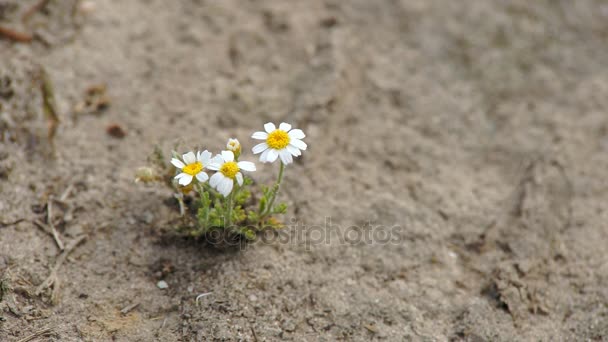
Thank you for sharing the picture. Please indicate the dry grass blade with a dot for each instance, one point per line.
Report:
(43, 332)
(129, 308)
(49, 106)
(7, 224)
(49, 220)
(50, 280)
(39, 6)
(52, 232)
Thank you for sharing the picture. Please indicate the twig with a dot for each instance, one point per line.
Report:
(128, 308)
(51, 232)
(201, 296)
(6, 224)
(39, 333)
(39, 6)
(16, 36)
(49, 220)
(66, 193)
(55, 291)
(162, 326)
(255, 336)
(60, 260)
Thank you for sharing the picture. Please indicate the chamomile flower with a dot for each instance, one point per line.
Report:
(284, 143)
(192, 166)
(227, 172)
(235, 146)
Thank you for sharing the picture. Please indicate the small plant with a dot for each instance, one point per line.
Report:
(223, 202)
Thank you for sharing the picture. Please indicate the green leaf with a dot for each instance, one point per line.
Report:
(280, 208)
(248, 233)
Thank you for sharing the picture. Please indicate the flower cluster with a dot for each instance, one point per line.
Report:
(227, 170)
(224, 194)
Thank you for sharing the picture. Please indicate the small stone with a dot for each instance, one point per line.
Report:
(87, 7)
(74, 230)
(289, 326)
(148, 217)
(162, 285)
(116, 131)
(253, 298)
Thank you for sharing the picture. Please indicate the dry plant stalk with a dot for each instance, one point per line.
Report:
(49, 105)
(52, 278)
(16, 36)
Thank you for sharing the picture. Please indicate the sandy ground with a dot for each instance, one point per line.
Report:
(456, 169)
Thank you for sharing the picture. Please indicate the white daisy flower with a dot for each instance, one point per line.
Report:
(192, 166)
(234, 145)
(227, 171)
(283, 143)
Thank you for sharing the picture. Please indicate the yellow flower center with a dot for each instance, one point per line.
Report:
(278, 139)
(193, 169)
(229, 169)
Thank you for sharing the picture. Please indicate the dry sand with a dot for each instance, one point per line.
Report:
(474, 132)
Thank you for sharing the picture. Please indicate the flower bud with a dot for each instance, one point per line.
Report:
(146, 175)
(235, 146)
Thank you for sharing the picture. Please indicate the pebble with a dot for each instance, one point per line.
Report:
(288, 326)
(162, 285)
(87, 7)
(148, 217)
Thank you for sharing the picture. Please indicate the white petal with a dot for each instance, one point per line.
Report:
(214, 166)
(180, 175)
(272, 155)
(298, 143)
(296, 134)
(232, 143)
(259, 148)
(285, 156)
(185, 180)
(264, 156)
(260, 135)
(216, 179)
(293, 150)
(189, 158)
(202, 177)
(204, 157)
(177, 163)
(247, 166)
(284, 126)
(228, 156)
(229, 185)
(239, 178)
(269, 127)
(225, 186)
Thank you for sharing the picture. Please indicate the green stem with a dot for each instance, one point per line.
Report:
(275, 191)
(228, 217)
(201, 192)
